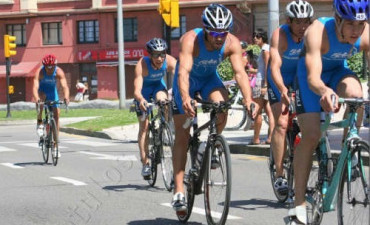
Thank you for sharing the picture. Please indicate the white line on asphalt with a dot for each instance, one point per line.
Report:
(91, 143)
(12, 165)
(74, 182)
(202, 212)
(111, 157)
(36, 145)
(5, 149)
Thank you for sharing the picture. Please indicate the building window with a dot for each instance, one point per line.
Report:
(129, 29)
(52, 33)
(88, 31)
(178, 32)
(19, 31)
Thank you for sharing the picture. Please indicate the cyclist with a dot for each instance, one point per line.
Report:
(149, 83)
(201, 50)
(45, 87)
(286, 45)
(323, 72)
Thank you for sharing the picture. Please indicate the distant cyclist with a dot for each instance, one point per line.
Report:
(322, 73)
(201, 50)
(45, 87)
(149, 83)
(286, 45)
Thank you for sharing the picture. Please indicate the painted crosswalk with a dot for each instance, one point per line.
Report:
(36, 145)
(6, 149)
(91, 143)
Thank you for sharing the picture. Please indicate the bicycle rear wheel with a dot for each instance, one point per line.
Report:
(153, 158)
(189, 188)
(166, 156)
(53, 142)
(235, 119)
(217, 182)
(287, 171)
(354, 190)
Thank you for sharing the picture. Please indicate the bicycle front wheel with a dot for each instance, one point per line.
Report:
(354, 190)
(53, 142)
(44, 144)
(166, 156)
(235, 119)
(217, 182)
(152, 158)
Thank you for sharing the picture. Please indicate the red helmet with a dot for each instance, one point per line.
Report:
(49, 60)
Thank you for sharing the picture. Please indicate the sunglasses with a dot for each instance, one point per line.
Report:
(216, 34)
(300, 21)
(257, 35)
(156, 55)
(50, 67)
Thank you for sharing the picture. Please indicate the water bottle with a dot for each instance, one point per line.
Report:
(40, 130)
(188, 122)
(297, 139)
(201, 148)
(143, 117)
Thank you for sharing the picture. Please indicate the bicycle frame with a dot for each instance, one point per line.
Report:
(329, 185)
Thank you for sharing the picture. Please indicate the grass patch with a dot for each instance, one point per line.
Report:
(107, 117)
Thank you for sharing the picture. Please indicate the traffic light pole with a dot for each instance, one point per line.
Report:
(168, 40)
(8, 65)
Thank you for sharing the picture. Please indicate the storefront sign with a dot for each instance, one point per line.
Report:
(101, 55)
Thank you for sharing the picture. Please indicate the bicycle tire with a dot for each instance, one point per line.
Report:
(166, 156)
(153, 158)
(53, 142)
(189, 188)
(44, 145)
(215, 206)
(287, 170)
(235, 119)
(356, 210)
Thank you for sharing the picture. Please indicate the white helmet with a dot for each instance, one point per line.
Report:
(156, 44)
(299, 9)
(217, 16)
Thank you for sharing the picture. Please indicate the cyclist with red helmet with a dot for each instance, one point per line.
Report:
(45, 85)
(322, 72)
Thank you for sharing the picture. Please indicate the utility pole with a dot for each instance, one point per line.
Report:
(273, 8)
(121, 57)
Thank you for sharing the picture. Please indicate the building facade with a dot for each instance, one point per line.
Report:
(82, 35)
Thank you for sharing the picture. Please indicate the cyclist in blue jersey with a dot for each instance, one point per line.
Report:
(201, 50)
(149, 83)
(45, 86)
(286, 45)
(322, 72)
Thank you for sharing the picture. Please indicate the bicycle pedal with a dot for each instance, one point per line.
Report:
(147, 177)
(181, 213)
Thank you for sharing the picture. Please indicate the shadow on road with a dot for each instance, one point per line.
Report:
(254, 204)
(160, 221)
(121, 188)
(32, 164)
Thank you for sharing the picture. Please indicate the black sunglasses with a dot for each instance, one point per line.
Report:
(160, 54)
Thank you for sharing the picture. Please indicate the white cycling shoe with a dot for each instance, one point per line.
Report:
(297, 215)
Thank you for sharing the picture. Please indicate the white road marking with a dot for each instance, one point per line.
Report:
(36, 145)
(12, 165)
(5, 149)
(202, 212)
(91, 143)
(74, 182)
(111, 157)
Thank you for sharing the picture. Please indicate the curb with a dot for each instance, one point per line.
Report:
(85, 132)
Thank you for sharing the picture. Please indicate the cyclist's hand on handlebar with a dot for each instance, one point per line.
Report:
(188, 106)
(326, 101)
(252, 108)
(143, 105)
(66, 101)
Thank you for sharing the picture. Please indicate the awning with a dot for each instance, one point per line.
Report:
(115, 63)
(22, 69)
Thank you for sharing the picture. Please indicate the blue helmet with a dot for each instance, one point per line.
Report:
(352, 9)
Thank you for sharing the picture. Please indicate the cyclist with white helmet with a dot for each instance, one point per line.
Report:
(45, 87)
(322, 72)
(201, 50)
(286, 45)
(149, 83)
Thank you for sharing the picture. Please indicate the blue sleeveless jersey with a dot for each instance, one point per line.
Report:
(154, 76)
(205, 64)
(291, 55)
(48, 85)
(338, 52)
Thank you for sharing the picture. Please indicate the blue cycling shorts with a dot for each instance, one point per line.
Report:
(149, 92)
(273, 91)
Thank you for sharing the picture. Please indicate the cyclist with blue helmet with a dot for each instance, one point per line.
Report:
(322, 72)
(201, 51)
(149, 83)
(286, 46)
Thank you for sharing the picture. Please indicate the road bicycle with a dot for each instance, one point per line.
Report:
(236, 117)
(160, 144)
(209, 167)
(49, 140)
(341, 182)
(292, 138)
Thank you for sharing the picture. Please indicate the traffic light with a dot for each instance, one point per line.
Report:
(169, 9)
(9, 46)
(11, 89)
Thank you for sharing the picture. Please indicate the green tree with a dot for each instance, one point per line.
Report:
(356, 64)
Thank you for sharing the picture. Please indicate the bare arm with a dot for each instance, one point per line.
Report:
(36, 83)
(186, 63)
(63, 82)
(278, 46)
(171, 66)
(138, 80)
(266, 57)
